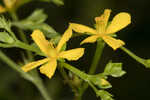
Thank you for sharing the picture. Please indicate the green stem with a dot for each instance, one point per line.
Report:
(39, 84)
(6, 45)
(140, 60)
(25, 46)
(36, 81)
(99, 49)
(97, 56)
(12, 33)
(13, 15)
(69, 82)
(79, 73)
(8, 61)
(65, 76)
(14, 66)
(21, 34)
(93, 87)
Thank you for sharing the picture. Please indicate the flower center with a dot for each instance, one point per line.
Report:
(101, 34)
(53, 53)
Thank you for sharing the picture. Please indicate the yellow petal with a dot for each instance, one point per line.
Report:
(66, 36)
(73, 54)
(90, 39)
(9, 3)
(112, 42)
(49, 68)
(101, 22)
(33, 65)
(2, 9)
(82, 28)
(120, 21)
(40, 40)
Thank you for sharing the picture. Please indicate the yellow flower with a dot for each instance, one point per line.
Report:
(103, 30)
(53, 54)
(8, 5)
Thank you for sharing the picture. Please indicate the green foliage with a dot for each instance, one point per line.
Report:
(114, 69)
(147, 63)
(38, 16)
(4, 24)
(22, 2)
(100, 82)
(6, 38)
(57, 2)
(104, 95)
(36, 21)
(7, 35)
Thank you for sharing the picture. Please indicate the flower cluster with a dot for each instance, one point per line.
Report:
(103, 30)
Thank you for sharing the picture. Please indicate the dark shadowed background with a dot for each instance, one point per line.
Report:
(135, 85)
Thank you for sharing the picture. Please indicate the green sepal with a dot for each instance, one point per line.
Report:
(114, 69)
(100, 81)
(64, 47)
(113, 35)
(61, 60)
(104, 95)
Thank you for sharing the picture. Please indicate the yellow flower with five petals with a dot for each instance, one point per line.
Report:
(49, 64)
(103, 30)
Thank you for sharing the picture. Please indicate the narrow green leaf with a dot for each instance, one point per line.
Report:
(104, 95)
(38, 16)
(58, 2)
(114, 69)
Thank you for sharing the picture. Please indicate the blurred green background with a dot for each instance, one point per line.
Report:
(135, 85)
